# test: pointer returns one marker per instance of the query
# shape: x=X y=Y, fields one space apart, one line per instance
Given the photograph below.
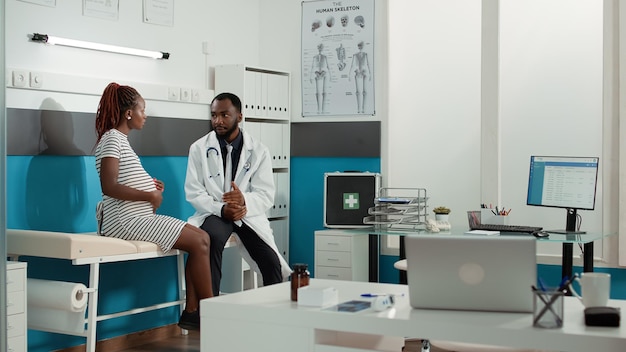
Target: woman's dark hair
x=115 y=101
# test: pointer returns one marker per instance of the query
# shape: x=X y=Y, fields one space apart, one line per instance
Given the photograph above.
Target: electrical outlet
x=36 y=80
x=173 y=93
x=195 y=95
x=20 y=78
x=185 y=94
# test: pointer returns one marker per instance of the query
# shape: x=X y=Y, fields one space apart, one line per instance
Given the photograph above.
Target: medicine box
x=317 y=296
x=348 y=196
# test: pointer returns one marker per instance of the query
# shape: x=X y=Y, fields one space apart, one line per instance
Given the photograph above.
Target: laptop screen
x=483 y=273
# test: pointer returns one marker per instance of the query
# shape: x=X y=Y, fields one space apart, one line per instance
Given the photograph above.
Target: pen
x=379 y=294
x=547 y=305
x=542 y=285
x=567 y=283
x=562 y=288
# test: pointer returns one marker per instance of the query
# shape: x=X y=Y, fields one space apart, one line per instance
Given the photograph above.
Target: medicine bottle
x=299 y=278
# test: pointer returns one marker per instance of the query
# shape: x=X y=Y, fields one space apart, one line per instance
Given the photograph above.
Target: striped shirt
x=133 y=220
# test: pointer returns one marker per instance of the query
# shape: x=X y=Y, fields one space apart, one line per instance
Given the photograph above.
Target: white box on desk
x=317 y=296
x=487 y=216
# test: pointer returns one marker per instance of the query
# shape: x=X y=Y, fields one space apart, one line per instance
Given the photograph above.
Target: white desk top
x=271 y=305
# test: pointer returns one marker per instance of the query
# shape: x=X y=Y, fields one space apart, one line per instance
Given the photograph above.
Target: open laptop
x=466 y=272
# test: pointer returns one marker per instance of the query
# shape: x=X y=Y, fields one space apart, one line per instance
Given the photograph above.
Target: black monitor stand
x=568 y=250
x=570 y=224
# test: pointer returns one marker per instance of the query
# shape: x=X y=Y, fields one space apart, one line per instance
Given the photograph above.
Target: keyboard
x=507 y=228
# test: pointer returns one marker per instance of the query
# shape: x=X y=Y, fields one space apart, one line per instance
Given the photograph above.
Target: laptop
x=466 y=272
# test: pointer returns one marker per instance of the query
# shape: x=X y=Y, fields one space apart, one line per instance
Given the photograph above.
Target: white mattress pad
x=71 y=245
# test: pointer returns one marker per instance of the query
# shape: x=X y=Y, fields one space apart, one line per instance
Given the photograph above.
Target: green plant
x=441 y=210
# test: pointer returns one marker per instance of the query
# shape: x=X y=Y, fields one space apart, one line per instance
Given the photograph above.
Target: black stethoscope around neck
x=246 y=166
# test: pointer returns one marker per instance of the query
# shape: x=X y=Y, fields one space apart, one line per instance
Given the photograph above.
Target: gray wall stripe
x=336 y=139
x=46 y=132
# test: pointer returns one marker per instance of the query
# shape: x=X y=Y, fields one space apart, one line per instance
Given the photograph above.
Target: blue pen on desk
x=371 y=295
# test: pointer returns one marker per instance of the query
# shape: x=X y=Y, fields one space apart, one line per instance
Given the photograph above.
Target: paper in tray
x=391 y=219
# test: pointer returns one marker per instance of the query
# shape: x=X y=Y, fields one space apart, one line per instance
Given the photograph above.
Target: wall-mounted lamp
x=48 y=39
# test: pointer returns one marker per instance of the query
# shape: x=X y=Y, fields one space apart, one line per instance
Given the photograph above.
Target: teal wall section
x=59 y=193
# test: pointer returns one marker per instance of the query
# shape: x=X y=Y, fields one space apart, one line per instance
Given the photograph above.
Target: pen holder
x=473 y=218
x=548 y=309
x=488 y=217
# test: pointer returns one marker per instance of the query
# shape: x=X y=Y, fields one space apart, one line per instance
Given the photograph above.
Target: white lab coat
x=204 y=186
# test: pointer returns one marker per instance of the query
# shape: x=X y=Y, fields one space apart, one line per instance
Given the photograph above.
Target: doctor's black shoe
x=189 y=320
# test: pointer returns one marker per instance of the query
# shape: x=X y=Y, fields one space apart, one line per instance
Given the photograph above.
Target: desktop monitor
x=563 y=182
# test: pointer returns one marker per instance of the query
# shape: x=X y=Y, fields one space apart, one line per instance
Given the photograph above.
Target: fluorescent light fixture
x=48 y=39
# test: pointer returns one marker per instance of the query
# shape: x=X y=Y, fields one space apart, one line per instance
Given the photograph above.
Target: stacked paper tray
x=395 y=211
x=398 y=208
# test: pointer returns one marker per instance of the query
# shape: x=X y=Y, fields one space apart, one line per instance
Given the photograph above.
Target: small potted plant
x=441 y=213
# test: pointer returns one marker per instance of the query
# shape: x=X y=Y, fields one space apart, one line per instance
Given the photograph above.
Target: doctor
x=232 y=191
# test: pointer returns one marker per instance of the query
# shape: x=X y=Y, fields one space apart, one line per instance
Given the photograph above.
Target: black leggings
x=219 y=231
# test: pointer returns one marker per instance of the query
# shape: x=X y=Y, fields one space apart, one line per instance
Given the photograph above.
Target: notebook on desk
x=480 y=273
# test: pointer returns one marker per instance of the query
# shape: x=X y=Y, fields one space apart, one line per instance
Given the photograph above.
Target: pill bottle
x=299 y=278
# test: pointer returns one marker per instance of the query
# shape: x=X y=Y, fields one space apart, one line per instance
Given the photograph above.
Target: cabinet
x=265 y=98
x=16 y=307
x=340 y=255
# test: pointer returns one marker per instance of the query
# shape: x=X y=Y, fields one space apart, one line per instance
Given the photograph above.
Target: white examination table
x=93 y=250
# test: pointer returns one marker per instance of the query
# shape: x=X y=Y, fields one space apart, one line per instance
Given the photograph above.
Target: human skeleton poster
x=338 y=58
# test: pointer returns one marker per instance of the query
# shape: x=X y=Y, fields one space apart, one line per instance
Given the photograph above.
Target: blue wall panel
x=59 y=193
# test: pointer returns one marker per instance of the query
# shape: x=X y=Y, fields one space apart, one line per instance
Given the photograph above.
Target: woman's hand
x=156 y=197
x=160 y=185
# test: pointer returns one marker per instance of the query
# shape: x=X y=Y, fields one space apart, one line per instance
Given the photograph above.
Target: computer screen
x=563 y=182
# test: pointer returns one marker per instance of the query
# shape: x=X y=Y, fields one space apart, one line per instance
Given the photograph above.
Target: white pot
x=442 y=217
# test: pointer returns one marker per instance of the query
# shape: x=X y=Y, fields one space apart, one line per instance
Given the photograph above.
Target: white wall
x=548 y=92
x=551 y=98
x=229 y=28
x=434 y=120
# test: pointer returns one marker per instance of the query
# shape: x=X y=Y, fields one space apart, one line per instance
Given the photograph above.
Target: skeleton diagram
x=341 y=56
x=361 y=68
x=320 y=73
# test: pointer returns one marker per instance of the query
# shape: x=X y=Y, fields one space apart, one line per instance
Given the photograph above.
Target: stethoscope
x=213 y=162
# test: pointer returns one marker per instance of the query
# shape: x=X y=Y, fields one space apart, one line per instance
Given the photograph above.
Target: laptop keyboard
x=507 y=228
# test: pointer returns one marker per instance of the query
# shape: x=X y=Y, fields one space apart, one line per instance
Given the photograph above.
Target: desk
x=265 y=319
x=568 y=242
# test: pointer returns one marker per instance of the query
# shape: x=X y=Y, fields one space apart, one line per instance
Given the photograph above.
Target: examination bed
x=93 y=250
